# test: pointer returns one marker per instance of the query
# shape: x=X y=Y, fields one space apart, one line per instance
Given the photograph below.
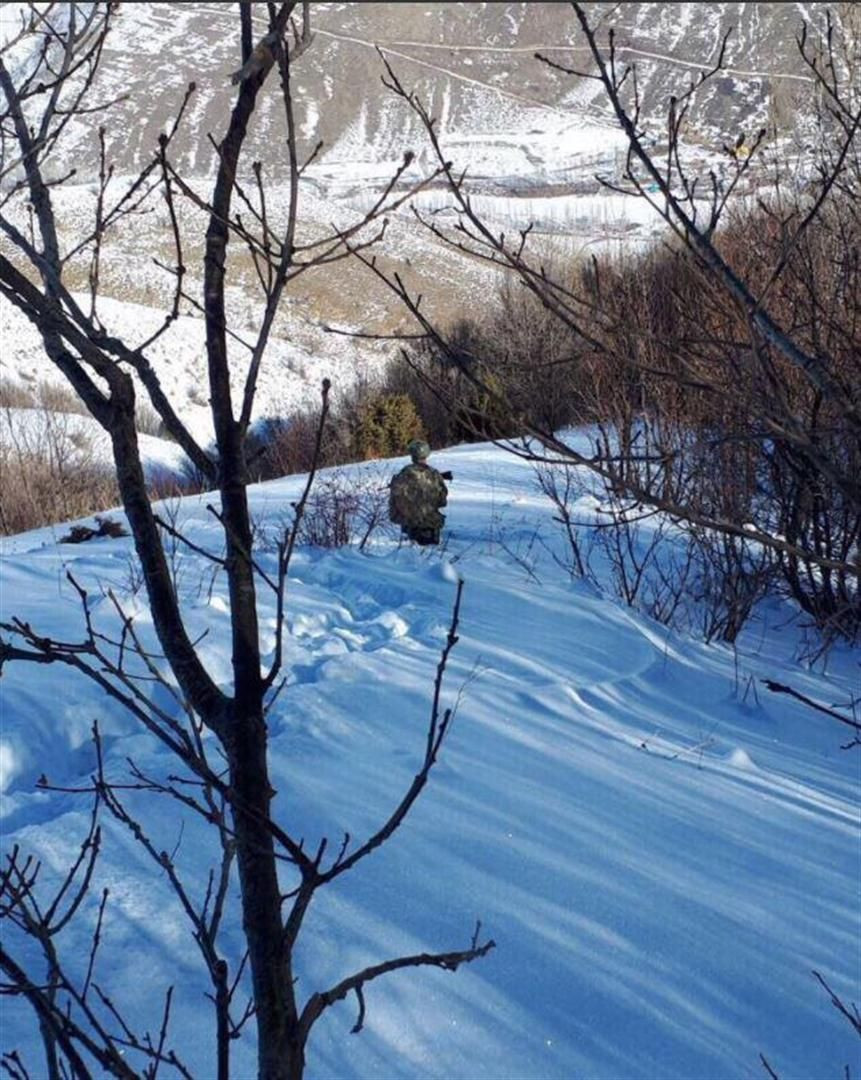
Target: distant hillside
x=531 y=138
x=508 y=116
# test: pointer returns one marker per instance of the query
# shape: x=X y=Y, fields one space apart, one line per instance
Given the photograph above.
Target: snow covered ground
x=662 y=851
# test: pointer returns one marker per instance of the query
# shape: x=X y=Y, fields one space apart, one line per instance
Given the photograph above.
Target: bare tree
x=770 y=348
x=49 y=76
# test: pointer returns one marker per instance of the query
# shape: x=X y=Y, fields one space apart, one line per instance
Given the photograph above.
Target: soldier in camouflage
x=415 y=496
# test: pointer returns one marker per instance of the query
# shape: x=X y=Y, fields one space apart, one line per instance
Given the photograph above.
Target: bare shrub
x=717 y=457
x=48 y=474
x=14 y=395
x=631 y=550
x=563 y=485
x=688 y=579
x=666 y=589
x=538 y=360
x=518 y=540
x=282 y=446
x=163 y=483
x=147 y=421
x=31 y=497
x=345 y=509
x=678 y=415
x=176 y=553
x=54 y=397
x=731 y=576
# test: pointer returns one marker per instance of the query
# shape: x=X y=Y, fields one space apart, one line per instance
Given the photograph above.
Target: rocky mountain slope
x=500 y=111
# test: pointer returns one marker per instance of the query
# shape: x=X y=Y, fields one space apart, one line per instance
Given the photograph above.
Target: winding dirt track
x=394 y=48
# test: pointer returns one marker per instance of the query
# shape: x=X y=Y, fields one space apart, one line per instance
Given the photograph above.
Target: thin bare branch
x=449 y=961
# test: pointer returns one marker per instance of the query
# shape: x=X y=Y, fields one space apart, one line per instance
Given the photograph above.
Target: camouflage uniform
x=415 y=496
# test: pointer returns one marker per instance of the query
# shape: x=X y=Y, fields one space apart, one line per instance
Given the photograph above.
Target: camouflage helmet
x=418 y=450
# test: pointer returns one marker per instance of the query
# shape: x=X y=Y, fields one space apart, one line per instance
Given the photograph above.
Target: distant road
x=582 y=48
x=392 y=46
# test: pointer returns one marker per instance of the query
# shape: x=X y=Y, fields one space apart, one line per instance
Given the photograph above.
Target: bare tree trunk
x=261 y=899
x=245 y=738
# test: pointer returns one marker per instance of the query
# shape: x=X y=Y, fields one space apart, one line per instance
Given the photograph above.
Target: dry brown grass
x=42 y=482
x=50 y=474
x=53 y=397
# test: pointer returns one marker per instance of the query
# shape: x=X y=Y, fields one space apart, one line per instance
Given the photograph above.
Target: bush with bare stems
x=49 y=472
x=731 y=353
x=346 y=509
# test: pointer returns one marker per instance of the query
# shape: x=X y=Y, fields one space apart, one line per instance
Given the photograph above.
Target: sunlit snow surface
x=662 y=851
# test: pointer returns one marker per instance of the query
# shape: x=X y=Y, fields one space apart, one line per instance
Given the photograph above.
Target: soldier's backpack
x=400 y=499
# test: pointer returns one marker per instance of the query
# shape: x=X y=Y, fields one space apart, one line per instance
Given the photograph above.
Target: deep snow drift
x=662 y=851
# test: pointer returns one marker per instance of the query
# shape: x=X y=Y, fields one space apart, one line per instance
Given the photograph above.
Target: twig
x=779 y=688
x=853 y=1017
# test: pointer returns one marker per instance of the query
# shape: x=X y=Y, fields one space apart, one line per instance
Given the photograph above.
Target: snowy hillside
x=289 y=380
x=662 y=851
x=531 y=138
